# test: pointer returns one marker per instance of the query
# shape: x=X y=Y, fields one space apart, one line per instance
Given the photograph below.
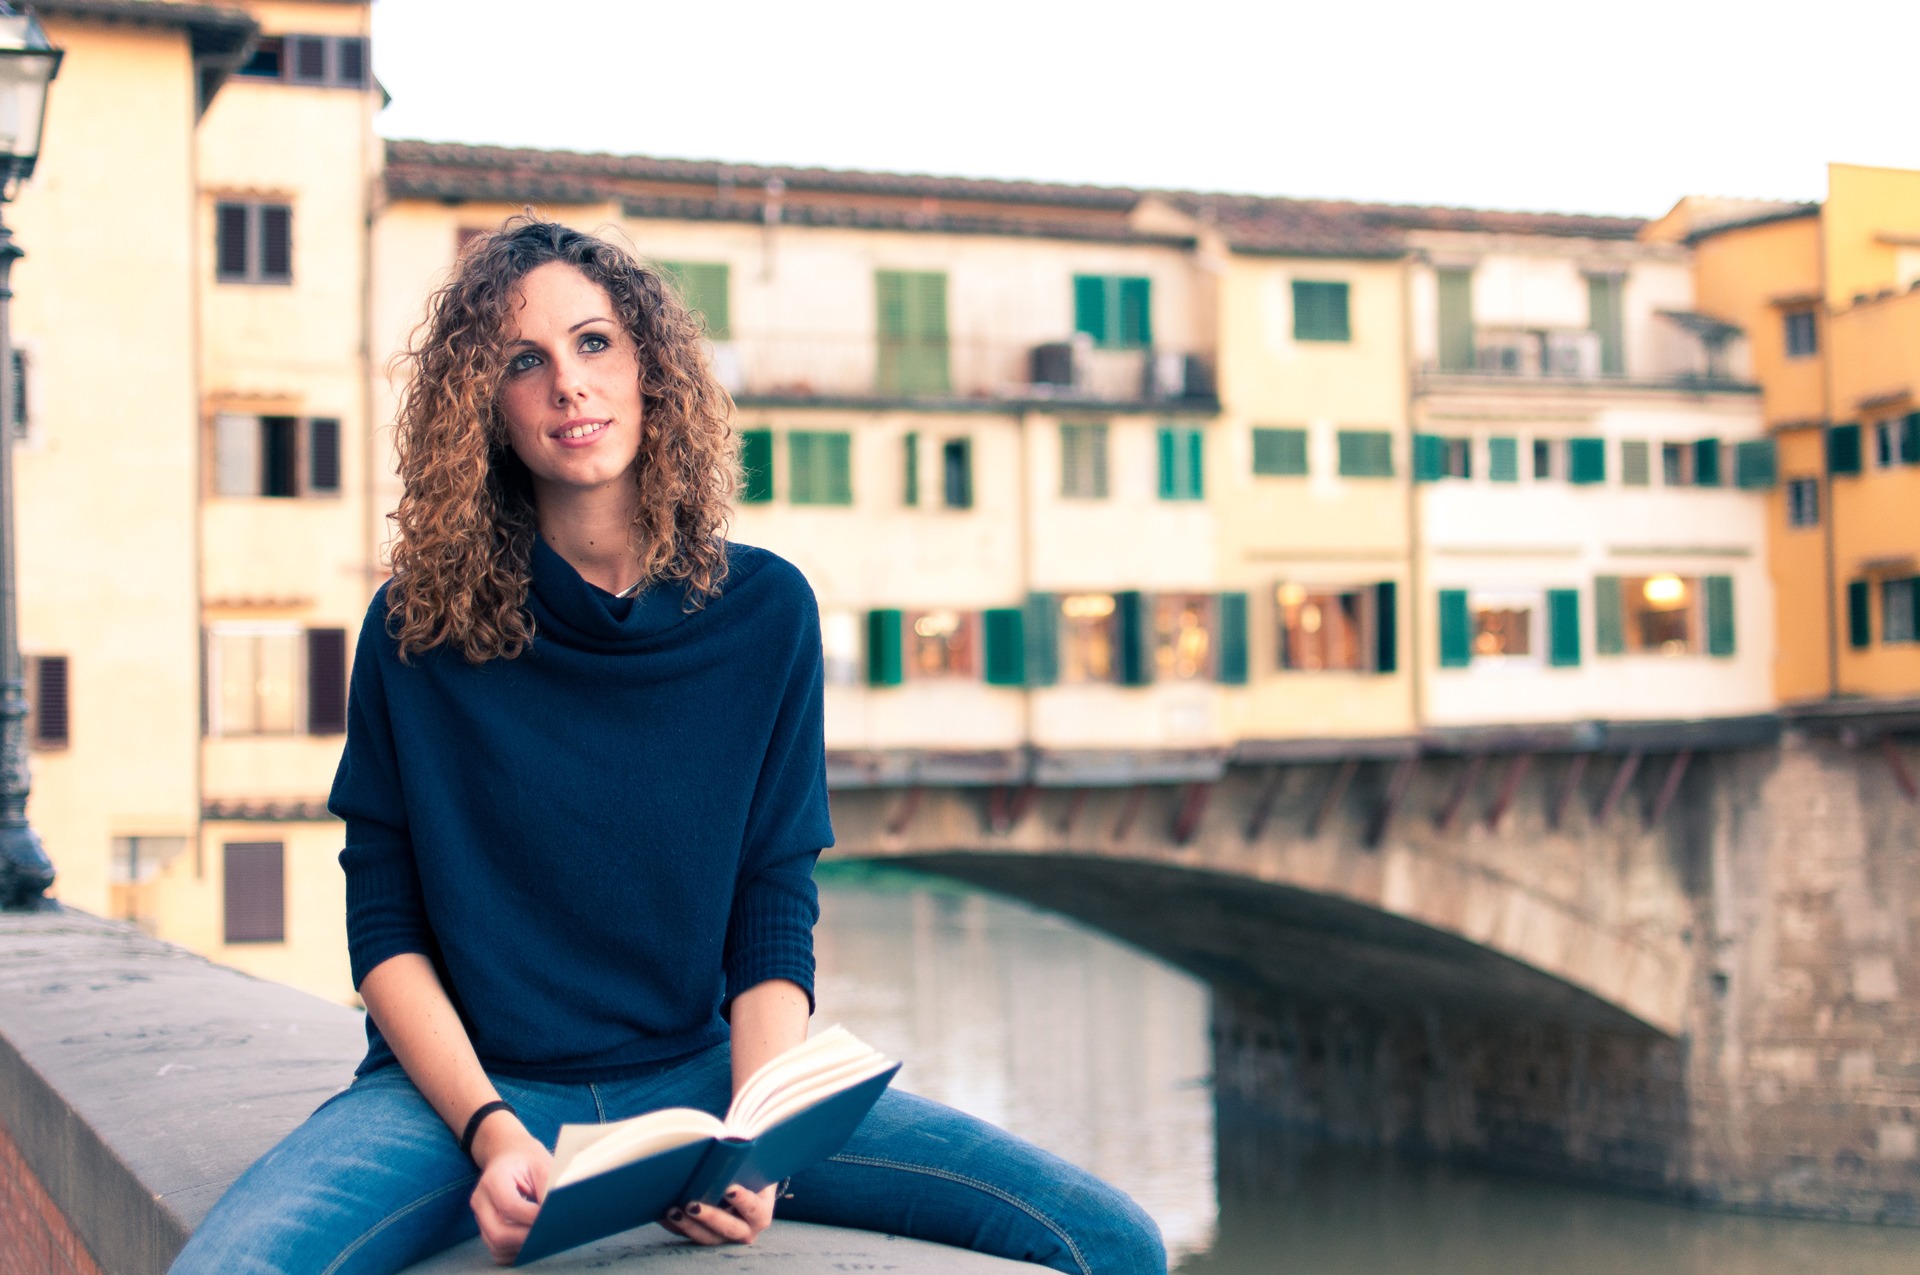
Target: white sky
x=1615 y=106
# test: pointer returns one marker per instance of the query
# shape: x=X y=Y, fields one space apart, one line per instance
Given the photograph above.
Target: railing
x=840 y=367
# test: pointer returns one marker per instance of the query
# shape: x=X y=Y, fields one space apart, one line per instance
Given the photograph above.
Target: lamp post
x=27 y=66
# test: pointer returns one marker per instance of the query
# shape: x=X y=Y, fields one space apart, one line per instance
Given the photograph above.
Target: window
x=1546 y=458
x=1859 y=614
x=1436 y=457
x=1320 y=629
x=912 y=324
x=1900 y=610
x=942 y=644
x=253 y=243
x=49 y=702
x=277 y=456
x=956 y=473
x=1183 y=626
x=276 y=679
x=1503 y=459
x=1803 y=338
x=1115 y=310
x=1320 y=311
x=819 y=467
x=1364 y=453
x=1636 y=463
x=840 y=646
x=1886 y=444
x=135 y=862
x=1843 y=449
x=1457 y=458
x=1182 y=463
x=1676 y=464
x=1089 y=638
x=1083 y=462
x=703 y=290
x=1280 y=452
x=325 y=61
x=1502 y=627
x=1706 y=462
x=910 y=469
x=1909 y=437
x=1754 y=463
x=756 y=466
x=1606 y=317
x=1659 y=614
x=1586 y=461
x=255 y=890
x=1456 y=320
x=1803 y=502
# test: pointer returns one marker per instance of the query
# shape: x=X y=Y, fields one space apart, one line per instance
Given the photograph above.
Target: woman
x=584 y=788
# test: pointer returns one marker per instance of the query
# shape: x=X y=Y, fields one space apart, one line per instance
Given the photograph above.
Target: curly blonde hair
x=464 y=527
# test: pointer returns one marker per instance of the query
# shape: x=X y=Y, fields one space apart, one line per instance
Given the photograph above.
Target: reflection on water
x=1101 y=1054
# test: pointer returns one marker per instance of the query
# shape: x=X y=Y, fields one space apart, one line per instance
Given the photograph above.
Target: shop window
x=1660 y=614
x=1502 y=626
x=1183 y=625
x=942 y=644
x=1321 y=629
x=1089 y=638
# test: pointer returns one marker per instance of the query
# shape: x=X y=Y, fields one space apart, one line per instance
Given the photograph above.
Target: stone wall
x=35 y=1238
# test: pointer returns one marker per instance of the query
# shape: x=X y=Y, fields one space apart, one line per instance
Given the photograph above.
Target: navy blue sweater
x=601 y=842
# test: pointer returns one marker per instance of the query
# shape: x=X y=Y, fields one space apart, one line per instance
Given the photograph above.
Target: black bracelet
x=480 y=1113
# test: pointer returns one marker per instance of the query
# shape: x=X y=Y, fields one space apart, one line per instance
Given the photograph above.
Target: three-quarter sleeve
x=385 y=912
x=775 y=903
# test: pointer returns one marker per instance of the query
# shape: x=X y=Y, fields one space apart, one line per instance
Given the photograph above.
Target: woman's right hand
x=514 y=1168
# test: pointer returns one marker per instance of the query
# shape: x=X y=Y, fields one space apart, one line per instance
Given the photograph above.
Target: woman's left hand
x=738 y=1219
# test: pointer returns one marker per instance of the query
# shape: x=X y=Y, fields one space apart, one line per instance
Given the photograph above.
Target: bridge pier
x=1663 y=966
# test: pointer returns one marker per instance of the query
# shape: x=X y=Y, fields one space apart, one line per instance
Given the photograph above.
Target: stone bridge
x=1675 y=957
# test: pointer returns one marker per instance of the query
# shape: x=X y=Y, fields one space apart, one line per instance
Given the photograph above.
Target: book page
x=796 y=1098
x=587 y=1149
x=827 y=1053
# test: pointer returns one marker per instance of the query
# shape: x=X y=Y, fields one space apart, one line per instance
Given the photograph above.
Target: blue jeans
x=373 y=1181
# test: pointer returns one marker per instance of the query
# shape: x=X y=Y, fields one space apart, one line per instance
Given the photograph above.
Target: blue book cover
x=630 y=1194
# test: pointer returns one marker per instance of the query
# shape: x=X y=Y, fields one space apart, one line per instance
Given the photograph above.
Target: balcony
x=1680 y=350
x=960 y=374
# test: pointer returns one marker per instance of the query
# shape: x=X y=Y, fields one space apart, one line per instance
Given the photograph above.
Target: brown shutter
x=231 y=255
x=256 y=892
x=276 y=243
x=49 y=705
x=326 y=681
x=323 y=454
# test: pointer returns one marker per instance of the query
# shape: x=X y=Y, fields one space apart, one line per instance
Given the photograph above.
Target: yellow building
x=214 y=417
x=1826 y=294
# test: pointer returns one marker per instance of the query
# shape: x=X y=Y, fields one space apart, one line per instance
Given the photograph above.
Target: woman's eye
x=522 y=362
x=594 y=342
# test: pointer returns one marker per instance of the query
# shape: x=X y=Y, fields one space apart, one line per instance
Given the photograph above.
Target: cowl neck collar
x=570 y=610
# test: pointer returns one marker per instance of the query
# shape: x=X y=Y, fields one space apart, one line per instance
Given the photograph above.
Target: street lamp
x=27 y=66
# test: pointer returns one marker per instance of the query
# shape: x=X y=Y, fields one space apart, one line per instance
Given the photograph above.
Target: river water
x=1100 y=1054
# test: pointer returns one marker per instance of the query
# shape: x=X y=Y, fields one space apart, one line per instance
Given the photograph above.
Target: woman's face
x=571 y=398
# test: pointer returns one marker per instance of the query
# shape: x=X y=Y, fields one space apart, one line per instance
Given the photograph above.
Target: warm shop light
x=1310 y=619
x=1292 y=595
x=1665 y=590
x=1087 y=606
x=937 y=624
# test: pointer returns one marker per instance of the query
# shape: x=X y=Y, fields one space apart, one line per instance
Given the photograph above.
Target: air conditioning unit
x=1054 y=364
x=1171 y=374
x=1575 y=355
x=1508 y=353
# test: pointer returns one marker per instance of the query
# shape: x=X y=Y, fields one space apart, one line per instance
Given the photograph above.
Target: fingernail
x=673 y=1215
x=694 y=1209
x=733 y=1193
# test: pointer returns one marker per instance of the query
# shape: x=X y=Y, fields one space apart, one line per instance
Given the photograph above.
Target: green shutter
x=1196 y=465
x=1182 y=463
x=1719 y=615
x=1320 y=311
x=1753 y=463
x=1859 y=615
x=1231 y=608
x=1006 y=642
x=819 y=467
x=703 y=290
x=1604 y=316
x=1133 y=629
x=911 y=478
x=1365 y=453
x=1280 y=452
x=1843 y=449
x=1456 y=320
x=1456 y=629
x=1136 y=313
x=1636 y=463
x=883 y=647
x=1706 y=462
x=756 y=466
x=1503 y=460
x=1386 y=627
x=956 y=473
x=1090 y=306
x=912 y=326
x=1609 y=627
x=1429 y=458
x=1910 y=440
x=1563 y=628
x=1043 y=639
x=1167 y=461
x=1586 y=460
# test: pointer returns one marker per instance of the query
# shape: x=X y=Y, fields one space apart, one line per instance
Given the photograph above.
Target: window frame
x=1115 y=311
x=837 y=492
x=254 y=249
x=1328 y=320
x=1802 y=497
x=213 y=691
x=1363 y=453
x=283 y=48
x=1092 y=454
x=1279 y=451
x=1800 y=340
x=302 y=457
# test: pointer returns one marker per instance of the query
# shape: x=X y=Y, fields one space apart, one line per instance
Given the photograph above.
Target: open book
x=798 y=1108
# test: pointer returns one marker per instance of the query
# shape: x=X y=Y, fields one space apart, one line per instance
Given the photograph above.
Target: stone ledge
x=138 y=1080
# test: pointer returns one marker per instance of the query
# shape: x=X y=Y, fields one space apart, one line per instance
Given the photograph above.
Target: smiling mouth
x=582 y=429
